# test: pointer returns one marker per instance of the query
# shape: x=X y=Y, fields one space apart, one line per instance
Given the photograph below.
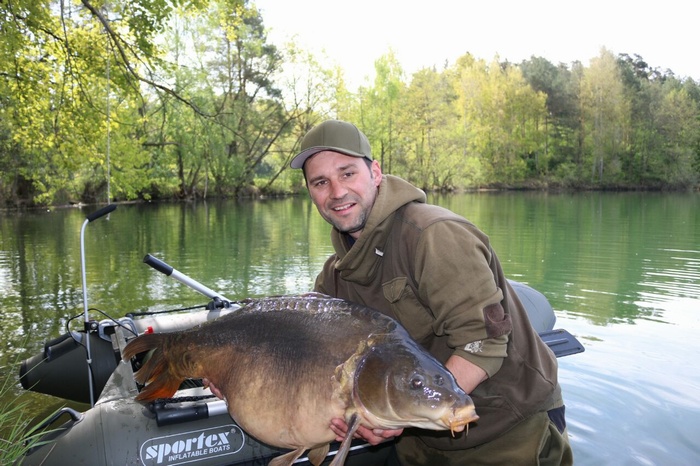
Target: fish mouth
x=459 y=418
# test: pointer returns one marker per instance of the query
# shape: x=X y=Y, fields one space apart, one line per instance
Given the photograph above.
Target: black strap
x=557 y=417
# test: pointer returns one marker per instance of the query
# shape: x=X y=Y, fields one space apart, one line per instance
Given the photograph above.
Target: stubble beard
x=356 y=226
x=359 y=225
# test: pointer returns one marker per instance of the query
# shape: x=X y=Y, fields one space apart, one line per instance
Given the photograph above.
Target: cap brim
x=302 y=157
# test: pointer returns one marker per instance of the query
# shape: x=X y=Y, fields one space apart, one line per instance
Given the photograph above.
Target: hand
x=372 y=436
x=212 y=388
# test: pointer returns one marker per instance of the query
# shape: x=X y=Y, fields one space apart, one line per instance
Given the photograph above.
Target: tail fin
x=155 y=374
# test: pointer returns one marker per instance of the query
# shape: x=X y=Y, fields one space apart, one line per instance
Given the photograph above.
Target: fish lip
x=458 y=418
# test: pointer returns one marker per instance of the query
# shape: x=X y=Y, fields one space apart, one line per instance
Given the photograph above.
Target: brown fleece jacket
x=436 y=273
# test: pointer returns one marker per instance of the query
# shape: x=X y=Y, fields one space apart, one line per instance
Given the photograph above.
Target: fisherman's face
x=343 y=188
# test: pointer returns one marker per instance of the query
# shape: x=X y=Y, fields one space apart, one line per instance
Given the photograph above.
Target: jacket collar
x=359 y=261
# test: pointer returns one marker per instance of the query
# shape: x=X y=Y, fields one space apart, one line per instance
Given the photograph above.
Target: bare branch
x=120 y=46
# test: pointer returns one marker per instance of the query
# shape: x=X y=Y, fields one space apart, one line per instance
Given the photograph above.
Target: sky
x=355 y=33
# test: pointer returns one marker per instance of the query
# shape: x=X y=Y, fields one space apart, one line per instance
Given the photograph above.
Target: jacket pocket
x=408 y=310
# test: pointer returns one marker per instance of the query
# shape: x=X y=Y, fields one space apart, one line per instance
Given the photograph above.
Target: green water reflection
x=616 y=268
x=604 y=257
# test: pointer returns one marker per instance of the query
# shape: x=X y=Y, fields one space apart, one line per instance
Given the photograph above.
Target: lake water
x=622 y=272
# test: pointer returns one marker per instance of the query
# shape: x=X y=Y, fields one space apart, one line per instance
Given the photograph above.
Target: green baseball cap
x=334 y=135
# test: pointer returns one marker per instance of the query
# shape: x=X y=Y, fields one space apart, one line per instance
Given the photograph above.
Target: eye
x=417 y=382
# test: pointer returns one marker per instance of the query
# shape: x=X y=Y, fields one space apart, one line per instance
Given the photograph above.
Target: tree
x=250 y=112
x=312 y=93
x=562 y=116
x=680 y=128
x=503 y=118
x=379 y=108
x=431 y=156
x=607 y=117
x=57 y=62
x=56 y=106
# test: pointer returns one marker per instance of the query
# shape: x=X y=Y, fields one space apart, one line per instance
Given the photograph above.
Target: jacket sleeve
x=454 y=270
x=325 y=280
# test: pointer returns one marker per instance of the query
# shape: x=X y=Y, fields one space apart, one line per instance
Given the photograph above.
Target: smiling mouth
x=342 y=207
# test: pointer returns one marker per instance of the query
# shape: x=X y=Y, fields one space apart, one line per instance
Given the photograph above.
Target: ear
x=376 y=173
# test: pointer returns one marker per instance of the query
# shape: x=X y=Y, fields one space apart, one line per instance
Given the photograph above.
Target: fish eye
x=439 y=380
x=417 y=382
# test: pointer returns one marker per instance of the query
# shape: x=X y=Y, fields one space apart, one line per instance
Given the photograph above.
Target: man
x=437 y=274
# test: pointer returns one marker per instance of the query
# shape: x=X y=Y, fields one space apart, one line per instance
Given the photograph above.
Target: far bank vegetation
x=188 y=99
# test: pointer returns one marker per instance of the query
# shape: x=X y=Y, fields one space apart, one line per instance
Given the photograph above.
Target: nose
x=338 y=190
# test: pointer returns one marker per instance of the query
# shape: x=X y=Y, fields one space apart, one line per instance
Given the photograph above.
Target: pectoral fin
x=344 y=449
x=317 y=455
x=287 y=459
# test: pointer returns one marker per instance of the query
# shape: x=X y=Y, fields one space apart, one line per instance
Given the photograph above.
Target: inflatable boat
x=192 y=428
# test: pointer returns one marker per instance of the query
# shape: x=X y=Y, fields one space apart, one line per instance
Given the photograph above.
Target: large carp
x=288 y=365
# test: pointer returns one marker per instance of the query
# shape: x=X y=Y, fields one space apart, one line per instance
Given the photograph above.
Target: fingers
x=215 y=391
x=371 y=436
x=388 y=433
x=339 y=428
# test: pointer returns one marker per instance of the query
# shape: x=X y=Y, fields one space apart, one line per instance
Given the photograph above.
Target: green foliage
x=17 y=436
x=606 y=118
x=187 y=98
